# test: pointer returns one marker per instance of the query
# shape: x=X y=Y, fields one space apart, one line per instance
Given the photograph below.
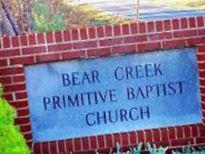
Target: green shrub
x=11 y=140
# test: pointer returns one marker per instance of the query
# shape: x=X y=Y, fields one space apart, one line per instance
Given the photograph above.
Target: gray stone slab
x=80 y=98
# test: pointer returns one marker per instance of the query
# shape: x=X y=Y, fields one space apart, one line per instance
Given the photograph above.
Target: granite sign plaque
x=124 y=93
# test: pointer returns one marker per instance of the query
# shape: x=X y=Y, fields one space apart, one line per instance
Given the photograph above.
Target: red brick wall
x=17 y=52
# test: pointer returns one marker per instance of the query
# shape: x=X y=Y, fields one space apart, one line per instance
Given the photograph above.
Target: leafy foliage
x=11 y=141
x=156 y=150
x=153 y=149
x=137 y=149
x=190 y=150
x=45 y=20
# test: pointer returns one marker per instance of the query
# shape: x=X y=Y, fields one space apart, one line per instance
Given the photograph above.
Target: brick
x=202 y=82
x=5 y=80
x=58 y=36
x=23 y=112
x=74 y=34
x=11 y=71
x=45 y=147
x=133 y=138
x=73 y=54
x=108 y=140
x=117 y=30
x=124 y=49
x=8 y=97
x=125 y=29
x=124 y=139
x=108 y=31
x=140 y=136
x=48 y=57
x=156 y=135
x=22 y=60
x=93 y=142
x=40 y=38
x=202 y=74
x=160 y=36
x=167 y=25
x=87 y=44
x=172 y=133
x=9 y=53
x=14 y=87
x=201 y=32
x=202 y=90
x=159 y=26
x=175 y=24
x=37 y=148
x=185 y=33
x=59 y=47
x=163 y=144
x=148 y=136
x=195 y=41
x=135 y=39
x=3 y=62
x=99 y=52
x=25 y=128
x=111 y=42
x=200 y=22
x=19 y=78
x=15 y=41
x=66 y=35
x=100 y=31
x=101 y=141
x=149 y=46
x=27 y=136
x=179 y=132
x=21 y=95
x=92 y=32
x=49 y=37
x=200 y=140
x=32 y=39
x=20 y=104
x=192 y=22
x=34 y=50
x=69 y=145
x=184 y=23
x=142 y=27
x=201 y=49
x=77 y=144
x=150 y=26
x=201 y=130
x=61 y=146
x=181 y=142
x=53 y=147
x=164 y=134
x=6 y=42
x=85 y=143
x=201 y=65
x=187 y=131
x=117 y=138
x=20 y=120
x=83 y=34
x=29 y=143
x=174 y=43
x=194 y=131
x=134 y=28
x=24 y=40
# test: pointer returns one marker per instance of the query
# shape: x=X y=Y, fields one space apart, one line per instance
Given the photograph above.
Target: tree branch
x=9 y=18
